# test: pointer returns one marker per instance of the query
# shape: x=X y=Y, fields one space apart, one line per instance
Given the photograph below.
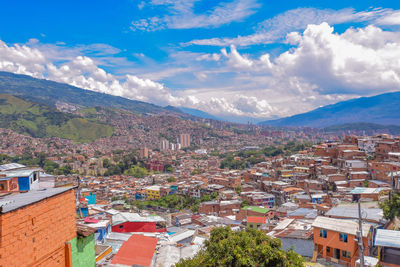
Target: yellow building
x=153 y=192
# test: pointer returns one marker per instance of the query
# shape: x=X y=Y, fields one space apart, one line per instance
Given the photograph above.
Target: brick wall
x=35 y=235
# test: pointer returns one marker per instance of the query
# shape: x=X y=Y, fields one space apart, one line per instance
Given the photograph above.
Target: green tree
x=168 y=168
x=171 y=179
x=249 y=247
x=136 y=171
x=391 y=207
x=106 y=163
x=238 y=190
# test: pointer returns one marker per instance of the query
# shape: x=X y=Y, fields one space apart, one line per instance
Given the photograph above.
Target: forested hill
x=39 y=120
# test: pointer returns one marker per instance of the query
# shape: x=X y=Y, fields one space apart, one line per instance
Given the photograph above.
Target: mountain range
x=383 y=109
x=49 y=93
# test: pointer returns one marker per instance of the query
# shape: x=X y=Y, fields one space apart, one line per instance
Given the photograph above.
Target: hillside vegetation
x=39 y=120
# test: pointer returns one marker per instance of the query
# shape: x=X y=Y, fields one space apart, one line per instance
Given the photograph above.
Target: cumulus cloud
x=322 y=67
x=361 y=61
x=80 y=71
x=276 y=28
x=182 y=15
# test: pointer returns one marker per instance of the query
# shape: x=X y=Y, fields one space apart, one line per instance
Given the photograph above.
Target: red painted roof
x=91 y=220
x=256 y=219
x=137 y=250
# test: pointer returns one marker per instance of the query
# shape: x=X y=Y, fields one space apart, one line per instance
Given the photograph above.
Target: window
x=343 y=237
x=121 y=226
x=322 y=233
x=345 y=254
x=328 y=249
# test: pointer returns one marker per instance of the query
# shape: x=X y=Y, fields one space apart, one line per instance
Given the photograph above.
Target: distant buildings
x=184 y=140
x=153 y=192
x=144 y=153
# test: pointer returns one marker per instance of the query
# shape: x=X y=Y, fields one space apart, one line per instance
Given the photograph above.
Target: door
x=336 y=253
x=23 y=183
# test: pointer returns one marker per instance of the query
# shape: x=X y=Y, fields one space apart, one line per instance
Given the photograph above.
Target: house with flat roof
x=388 y=243
x=335 y=240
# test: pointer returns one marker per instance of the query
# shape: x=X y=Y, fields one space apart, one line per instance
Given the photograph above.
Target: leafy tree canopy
x=391 y=208
x=242 y=248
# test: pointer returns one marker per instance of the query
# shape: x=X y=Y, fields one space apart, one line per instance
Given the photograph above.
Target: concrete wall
x=35 y=235
x=83 y=252
x=304 y=247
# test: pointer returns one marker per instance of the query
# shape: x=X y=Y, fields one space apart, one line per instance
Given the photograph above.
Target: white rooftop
x=342 y=226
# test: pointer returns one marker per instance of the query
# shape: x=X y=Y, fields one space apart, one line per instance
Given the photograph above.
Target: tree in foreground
x=242 y=248
x=391 y=207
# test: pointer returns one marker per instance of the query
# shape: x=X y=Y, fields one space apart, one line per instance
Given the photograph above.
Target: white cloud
x=182 y=15
x=276 y=28
x=322 y=68
x=346 y=63
x=80 y=71
x=390 y=19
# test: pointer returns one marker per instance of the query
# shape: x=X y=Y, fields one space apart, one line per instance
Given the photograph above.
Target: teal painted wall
x=83 y=253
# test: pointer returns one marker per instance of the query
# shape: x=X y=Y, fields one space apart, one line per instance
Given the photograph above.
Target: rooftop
x=340 y=225
x=365 y=190
x=16 y=201
x=352 y=212
x=137 y=251
x=255 y=219
x=256 y=209
x=387 y=238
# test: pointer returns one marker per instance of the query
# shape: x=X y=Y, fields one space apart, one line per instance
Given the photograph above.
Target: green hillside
x=39 y=120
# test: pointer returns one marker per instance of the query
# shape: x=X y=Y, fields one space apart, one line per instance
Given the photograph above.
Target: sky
x=235 y=59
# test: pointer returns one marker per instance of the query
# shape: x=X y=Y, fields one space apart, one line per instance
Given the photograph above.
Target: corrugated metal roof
x=387 y=238
x=340 y=225
x=18 y=173
x=134 y=217
x=182 y=235
x=10 y=166
x=352 y=212
x=365 y=190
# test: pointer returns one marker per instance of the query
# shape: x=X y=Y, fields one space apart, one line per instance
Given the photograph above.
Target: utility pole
x=360 y=234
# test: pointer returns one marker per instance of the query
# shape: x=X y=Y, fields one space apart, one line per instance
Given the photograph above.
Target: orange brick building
x=35 y=228
x=334 y=240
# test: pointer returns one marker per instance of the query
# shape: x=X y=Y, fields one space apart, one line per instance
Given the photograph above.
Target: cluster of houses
x=323 y=202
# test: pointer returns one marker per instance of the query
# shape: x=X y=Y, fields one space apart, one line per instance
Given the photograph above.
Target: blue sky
x=234 y=59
